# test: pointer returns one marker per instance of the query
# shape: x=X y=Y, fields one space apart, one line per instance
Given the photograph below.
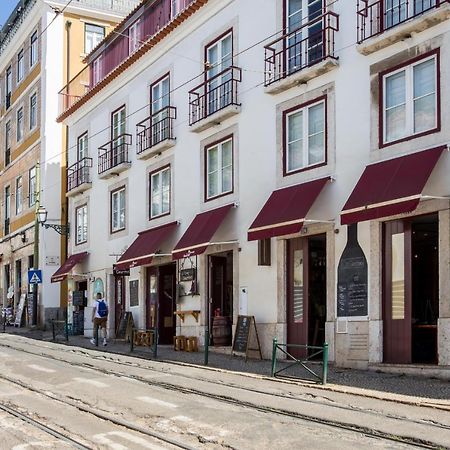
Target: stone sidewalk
x=367 y=383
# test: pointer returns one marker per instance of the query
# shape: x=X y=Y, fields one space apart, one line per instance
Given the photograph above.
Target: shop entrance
x=79 y=301
x=411 y=290
x=306 y=292
x=119 y=294
x=221 y=298
x=161 y=301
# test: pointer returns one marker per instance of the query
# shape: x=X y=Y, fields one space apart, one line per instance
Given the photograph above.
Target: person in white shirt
x=100 y=318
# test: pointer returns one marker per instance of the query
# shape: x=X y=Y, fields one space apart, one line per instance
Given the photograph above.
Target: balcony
x=302 y=54
x=113 y=156
x=215 y=99
x=79 y=177
x=382 y=23
x=155 y=133
x=155 y=19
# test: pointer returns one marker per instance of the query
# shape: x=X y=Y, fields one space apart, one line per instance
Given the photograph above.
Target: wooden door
x=151 y=300
x=397 y=300
x=218 y=285
x=297 y=295
x=166 y=303
x=119 y=309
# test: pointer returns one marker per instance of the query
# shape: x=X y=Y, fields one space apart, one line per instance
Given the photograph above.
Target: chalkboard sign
x=134 y=293
x=20 y=310
x=352 y=296
x=30 y=307
x=126 y=324
x=187 y=274
x=78 y=298
x=242 y=336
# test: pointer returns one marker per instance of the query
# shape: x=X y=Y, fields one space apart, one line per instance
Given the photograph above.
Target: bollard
x=53 y=330
x=325 y=363
x=274 y=355
x=132 y=340
x=155 y=344
x=67 y=330
x=4 y=321
x=96 y=327
x=206 y=347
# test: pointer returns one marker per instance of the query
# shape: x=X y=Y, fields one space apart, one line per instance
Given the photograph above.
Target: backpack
x=102 y=309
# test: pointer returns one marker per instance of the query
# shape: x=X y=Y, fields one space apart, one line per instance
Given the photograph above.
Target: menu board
x=352 y=283
x=134 y=293
x=125 y=326
x=78 y=298
x=242 y=334
x=20 y=310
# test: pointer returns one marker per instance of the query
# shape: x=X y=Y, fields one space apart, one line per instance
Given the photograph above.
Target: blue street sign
x=34 y=276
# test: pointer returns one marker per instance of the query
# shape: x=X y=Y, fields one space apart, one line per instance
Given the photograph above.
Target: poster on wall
x=352 y=299
x=134 y=293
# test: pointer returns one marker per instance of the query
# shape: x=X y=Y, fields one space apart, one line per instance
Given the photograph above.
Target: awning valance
x=200 y=232
x=145 y=247
x=285 y=210
x=390 y=187
x=67 y=267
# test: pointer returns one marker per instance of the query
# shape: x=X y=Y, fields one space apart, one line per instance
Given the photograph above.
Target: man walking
x=100 y=317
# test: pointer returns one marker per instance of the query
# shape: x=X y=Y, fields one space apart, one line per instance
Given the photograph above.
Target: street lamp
x=42 y=214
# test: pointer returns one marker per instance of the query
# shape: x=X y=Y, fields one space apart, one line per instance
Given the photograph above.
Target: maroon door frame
x=397 y=337
x=297 y=332
x=119 y=296
x=151 y=298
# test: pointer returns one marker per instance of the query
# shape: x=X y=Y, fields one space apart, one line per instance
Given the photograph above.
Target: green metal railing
x=154 y=347
x=301 y=362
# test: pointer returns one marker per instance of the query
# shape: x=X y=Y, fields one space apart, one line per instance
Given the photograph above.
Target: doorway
x=411 y=290
x=221 y=298
x=79 y=300
x=161 y=301
x=306 y=293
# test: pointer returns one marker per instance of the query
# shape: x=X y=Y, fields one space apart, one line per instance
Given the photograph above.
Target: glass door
x=118 y=129
x=160 y=101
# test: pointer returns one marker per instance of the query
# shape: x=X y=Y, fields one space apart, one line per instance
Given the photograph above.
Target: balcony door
x=219 y=86
x=305 y=46
x=118 y=129
x=397 y=11
x=160 y=102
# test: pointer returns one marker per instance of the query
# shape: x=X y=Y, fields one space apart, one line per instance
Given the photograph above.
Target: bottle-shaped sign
x=352 y=278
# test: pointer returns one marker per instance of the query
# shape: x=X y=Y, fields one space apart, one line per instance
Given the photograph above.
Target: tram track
x=421 y=443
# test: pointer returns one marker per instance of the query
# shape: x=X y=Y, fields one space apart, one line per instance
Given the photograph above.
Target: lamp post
x=42 y=214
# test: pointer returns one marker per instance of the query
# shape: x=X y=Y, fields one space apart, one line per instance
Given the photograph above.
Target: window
x=219 y=168
x=8 y=87
x=304 y=137
x=134 y=37
x=33 y=111
x=81 y=224
x=118 y=210
x=19 y=195
x=97 y=70
x=264 y=252
x=32 y=186
x=7 y=143
x=82 y=147
x=93 y=35
x=410 y=100
x=19 y=124
x=20 y=68
x=160 y=193
x=33 y=49
x=19 y=276
x=7 y=208
x=160 y=101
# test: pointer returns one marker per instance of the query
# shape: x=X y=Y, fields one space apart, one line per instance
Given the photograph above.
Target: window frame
x=33 y=126
x=408 y=65
x=97 y=69
x=160 y=170
x=111 y=207
x=82 y=138
x=322 y=99
x=217 y=143
x=8 y=142
x=32 y=195
x=136 y=39
x=33 y=49
x=8 y=81
x=86 y=34
x=21 y=128
x=85 y=232
x=18 y=201
x=20 y=65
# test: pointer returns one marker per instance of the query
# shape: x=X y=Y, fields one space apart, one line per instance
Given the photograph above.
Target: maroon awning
x=144 y=247
x=66 y=268
x=390 y=187
x=285 y=210
x=200 y=232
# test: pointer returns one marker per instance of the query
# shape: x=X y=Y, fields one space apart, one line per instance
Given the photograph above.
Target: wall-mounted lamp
x=42 y=214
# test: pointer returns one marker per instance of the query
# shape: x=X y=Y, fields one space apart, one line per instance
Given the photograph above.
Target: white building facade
x=275 y=158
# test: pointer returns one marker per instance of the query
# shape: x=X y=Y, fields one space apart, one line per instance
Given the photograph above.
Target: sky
x=6 y=7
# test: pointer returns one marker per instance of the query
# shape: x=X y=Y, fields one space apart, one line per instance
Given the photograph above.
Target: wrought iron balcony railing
x=114 y=153
x=79 y=174
x=303 y=47
x=155 y=129
x=214 y=94
x=378 y=16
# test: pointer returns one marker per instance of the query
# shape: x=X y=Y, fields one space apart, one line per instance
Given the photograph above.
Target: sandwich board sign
x=34 y=276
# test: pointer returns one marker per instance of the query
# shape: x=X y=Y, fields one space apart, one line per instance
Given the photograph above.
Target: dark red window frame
x=159 y=169
x=111 y=231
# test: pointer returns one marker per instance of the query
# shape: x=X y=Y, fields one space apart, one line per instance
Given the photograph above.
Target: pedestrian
x=99 y=318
